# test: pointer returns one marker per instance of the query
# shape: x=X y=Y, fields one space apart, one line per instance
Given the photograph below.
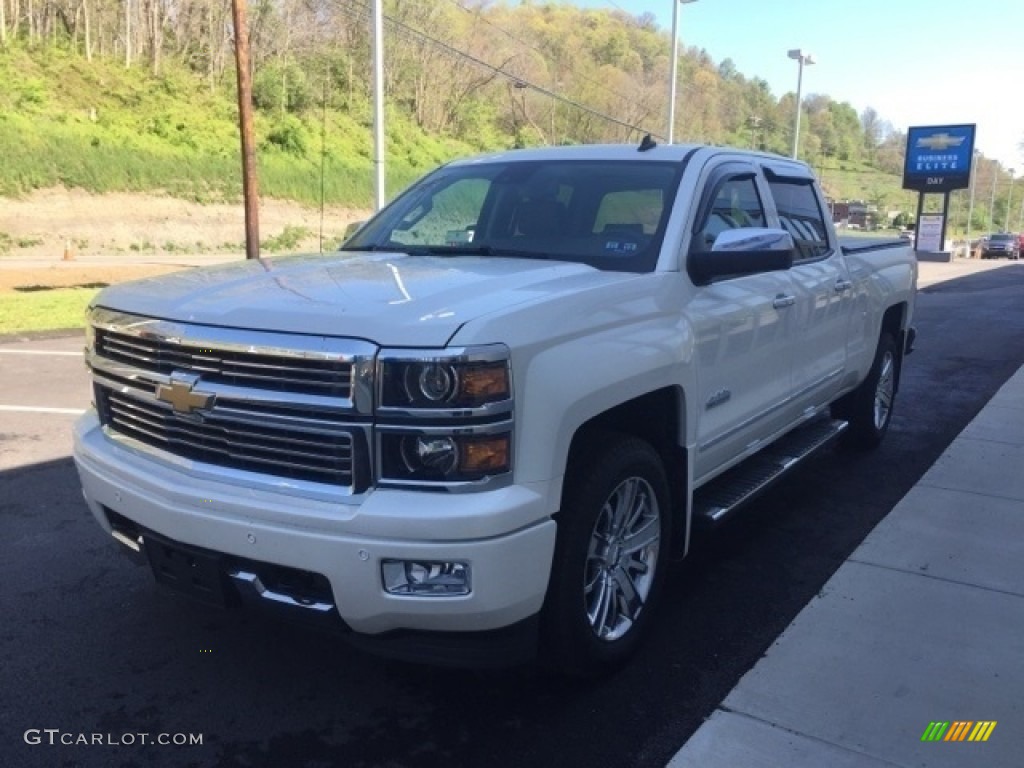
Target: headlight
x=472 y=378
x=444 y=418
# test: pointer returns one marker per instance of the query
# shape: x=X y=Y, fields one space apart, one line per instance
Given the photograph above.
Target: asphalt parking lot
x=89 y=645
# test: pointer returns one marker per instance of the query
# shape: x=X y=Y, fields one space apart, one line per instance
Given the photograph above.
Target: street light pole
x=1009 y=199
x=802 y=58
x=674 y=66
x=970 y=205
x=377 y=24
x=992 y=200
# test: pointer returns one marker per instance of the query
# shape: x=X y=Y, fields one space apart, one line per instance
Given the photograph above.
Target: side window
x=448 y=217
x=801 y=216
x=736 y=204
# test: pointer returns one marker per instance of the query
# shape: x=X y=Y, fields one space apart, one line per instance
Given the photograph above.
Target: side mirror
x=352 y=228
x=743 y=251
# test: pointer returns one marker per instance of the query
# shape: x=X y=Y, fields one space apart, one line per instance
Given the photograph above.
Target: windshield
x=1001 y=238
x=609 y=214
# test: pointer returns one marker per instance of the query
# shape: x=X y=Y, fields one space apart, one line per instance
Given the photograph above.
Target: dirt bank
x=45 y=225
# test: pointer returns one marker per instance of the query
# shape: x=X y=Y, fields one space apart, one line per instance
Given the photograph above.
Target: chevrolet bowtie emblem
x=181 y=395
x=940 y=141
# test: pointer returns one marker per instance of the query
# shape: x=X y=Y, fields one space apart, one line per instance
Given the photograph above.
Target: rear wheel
x=610 y=557
x=868 y=408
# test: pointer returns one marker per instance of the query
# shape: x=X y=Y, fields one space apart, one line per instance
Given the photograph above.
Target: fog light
x=423 y=578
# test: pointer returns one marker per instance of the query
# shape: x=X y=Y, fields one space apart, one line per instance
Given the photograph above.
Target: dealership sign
x=938 y=158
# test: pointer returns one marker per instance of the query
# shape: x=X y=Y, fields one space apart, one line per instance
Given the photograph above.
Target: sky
x=916 y=62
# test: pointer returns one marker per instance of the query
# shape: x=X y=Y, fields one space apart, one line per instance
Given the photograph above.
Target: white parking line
x=56 y=352
x=33 y=409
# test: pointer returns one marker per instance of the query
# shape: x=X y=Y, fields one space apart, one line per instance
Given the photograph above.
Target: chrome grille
x=325 y=455
x=280 y=405
x=315 y=375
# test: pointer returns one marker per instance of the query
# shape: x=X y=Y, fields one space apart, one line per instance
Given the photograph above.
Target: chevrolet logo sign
x=180 y=393
x=940 y=141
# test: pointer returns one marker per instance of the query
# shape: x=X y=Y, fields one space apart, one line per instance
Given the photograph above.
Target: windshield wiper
x=480 y=250
x=453 y=250
x=456 y=250
x=370 y=248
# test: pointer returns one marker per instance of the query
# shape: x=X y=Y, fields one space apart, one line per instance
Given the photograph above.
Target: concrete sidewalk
x=923 y=623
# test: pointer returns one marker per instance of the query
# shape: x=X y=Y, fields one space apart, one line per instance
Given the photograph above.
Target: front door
x=744 y=335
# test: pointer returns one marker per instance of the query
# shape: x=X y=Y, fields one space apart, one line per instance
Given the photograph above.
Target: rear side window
x=800 y=214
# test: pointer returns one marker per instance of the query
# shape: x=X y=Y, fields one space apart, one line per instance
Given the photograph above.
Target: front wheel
x=868 y=409
x=610 y=557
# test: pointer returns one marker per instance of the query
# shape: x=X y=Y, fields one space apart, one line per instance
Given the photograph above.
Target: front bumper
x=505 y=535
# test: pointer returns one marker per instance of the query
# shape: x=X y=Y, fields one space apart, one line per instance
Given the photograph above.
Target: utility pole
x=250 y=181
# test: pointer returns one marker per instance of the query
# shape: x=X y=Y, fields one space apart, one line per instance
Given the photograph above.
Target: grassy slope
x=98 y=126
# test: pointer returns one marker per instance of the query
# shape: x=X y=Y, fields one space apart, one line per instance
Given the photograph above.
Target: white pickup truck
x=479 y=432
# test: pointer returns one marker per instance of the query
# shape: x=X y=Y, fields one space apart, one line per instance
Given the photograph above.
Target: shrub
x=288 y=135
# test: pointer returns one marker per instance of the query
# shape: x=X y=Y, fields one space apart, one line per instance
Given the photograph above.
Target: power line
x=535 y=48
x=363 y=11
x=612 y=2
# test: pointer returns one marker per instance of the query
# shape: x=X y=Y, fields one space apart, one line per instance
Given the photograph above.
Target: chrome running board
x=713 y=502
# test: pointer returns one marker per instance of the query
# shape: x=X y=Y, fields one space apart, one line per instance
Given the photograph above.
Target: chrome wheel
x=622 y=558
x=884 y=390
x=868 y=409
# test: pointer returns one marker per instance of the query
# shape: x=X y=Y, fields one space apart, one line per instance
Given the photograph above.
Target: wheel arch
x=894 y=322
x=659 y=418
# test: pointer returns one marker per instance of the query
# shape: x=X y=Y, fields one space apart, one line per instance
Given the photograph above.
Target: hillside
x=76 y=113
x=103 y=128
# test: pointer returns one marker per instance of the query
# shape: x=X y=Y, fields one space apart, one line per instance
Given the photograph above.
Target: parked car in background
x=1000 y=244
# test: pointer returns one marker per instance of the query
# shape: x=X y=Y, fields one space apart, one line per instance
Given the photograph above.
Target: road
x=89 y=646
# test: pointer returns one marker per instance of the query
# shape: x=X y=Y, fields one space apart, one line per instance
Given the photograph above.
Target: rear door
x=823 y=289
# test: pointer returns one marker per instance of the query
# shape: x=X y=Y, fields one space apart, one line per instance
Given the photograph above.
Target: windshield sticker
x=459 y=237
x=620 y=246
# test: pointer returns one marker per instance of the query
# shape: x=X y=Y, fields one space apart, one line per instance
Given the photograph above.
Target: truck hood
x=388 y=298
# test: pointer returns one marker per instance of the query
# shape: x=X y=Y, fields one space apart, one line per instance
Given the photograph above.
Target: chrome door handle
x=782 y=301
x=842 y=286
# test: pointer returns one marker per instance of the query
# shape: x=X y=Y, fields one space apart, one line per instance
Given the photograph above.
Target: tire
x=611 y=557
x=868 y=409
